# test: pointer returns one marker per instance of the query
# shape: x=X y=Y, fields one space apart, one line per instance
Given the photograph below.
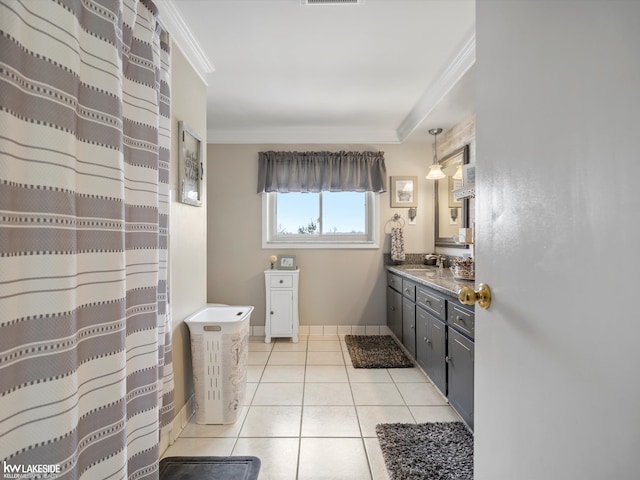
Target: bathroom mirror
x=451 y=215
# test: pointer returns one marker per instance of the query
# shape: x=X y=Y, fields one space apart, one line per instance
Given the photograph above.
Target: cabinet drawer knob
x=281 y=281
x=459 y=318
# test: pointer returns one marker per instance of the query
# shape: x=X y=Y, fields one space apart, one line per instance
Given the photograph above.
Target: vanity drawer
x=281 y=281
x=462 y=319
x=409 y=289
x=394 y=281
x=431 y=302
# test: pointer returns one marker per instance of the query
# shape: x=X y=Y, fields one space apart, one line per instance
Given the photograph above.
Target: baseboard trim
x=258 y=330
x=169 y=435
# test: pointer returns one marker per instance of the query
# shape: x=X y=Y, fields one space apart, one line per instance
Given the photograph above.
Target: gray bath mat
x=433 y=451
x=376 y=351
x=209 y=468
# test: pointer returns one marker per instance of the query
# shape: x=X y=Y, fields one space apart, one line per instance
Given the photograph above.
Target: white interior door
x=557 y=380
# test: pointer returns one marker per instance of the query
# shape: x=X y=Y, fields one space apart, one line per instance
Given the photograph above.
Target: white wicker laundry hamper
x=219 y=352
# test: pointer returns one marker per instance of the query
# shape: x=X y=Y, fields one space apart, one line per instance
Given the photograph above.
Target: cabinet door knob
x=393 y=308
x=448 y=359
x=412 y=327
x=271 y=312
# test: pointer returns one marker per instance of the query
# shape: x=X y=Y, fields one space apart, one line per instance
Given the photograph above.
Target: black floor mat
x=209 y=468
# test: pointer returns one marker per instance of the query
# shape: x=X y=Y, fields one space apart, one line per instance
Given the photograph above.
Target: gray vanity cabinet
x=394 y=311
x=460 y=369
x=409 y=326
x=460 y=354
x=409 y=316
x=438 y=332
x=431 y=347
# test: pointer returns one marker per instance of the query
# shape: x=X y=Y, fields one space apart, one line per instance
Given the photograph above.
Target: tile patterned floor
x=310 y=415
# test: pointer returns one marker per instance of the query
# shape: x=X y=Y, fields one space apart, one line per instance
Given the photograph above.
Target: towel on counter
x=397 y=244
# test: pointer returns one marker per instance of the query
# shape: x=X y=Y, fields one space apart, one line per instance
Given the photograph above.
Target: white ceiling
x=382 y=72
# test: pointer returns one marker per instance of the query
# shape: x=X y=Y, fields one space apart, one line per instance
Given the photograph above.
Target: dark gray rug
x=376 y=351
x=209 y=468
x=427 y=451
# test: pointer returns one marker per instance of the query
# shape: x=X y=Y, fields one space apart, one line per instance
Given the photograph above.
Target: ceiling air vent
x=331 y=2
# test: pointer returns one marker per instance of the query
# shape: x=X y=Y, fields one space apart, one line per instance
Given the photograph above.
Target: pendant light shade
x=435 y=171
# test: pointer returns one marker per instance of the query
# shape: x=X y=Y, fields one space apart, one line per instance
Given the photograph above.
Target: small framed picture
x=190 y=166
x=404 y=192
x=286 y=262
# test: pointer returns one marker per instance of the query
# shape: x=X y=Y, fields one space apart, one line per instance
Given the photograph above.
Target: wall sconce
x=435 y=171
x=413 y=212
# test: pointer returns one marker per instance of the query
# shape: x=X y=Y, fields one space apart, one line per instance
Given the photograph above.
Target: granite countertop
x=428 y=276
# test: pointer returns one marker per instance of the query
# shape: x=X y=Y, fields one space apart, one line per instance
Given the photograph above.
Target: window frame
x=271 y=239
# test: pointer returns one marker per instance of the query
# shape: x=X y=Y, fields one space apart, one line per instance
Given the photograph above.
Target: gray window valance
x=321 y=171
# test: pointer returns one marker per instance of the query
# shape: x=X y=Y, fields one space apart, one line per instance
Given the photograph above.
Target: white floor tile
x=325 y=358
x=260 y=346
x=200 y=447
x=324 y=346
x=327 y=394
x=324 y=338
x=368 y=375
x=251 y=391
x=440 y=413
x=376 y=394
x=289 y=346
x=258 y=358
x=407 y=375
x=308 y=414
x=278 y=456
x=370 y=416
x=266 y=421
x=333 y=458
x=330 y=421
x=254 y=373
x=283 y=373
x=278 y=394
x=376 y=460
x=421 y=394
x=326 y=373
x=287 y=358
x=231 y=430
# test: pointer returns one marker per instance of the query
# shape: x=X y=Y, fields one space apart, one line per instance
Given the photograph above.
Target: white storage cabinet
x=281 y=316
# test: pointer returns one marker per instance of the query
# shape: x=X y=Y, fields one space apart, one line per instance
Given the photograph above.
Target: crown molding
x=454 y=71
x=171 y=19
x=310 y=135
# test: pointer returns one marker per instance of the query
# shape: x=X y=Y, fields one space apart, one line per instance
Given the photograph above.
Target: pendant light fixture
x=435 y=171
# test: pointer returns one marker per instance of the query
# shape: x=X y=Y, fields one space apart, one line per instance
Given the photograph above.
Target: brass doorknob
x=468 y=296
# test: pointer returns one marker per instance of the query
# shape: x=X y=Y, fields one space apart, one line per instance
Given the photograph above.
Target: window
x=320 y=220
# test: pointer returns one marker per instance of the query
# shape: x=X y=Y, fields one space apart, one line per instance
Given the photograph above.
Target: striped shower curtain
x=85 y=355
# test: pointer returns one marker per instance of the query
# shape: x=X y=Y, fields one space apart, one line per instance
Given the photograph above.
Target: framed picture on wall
x=404 y=192
x=190 y=166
